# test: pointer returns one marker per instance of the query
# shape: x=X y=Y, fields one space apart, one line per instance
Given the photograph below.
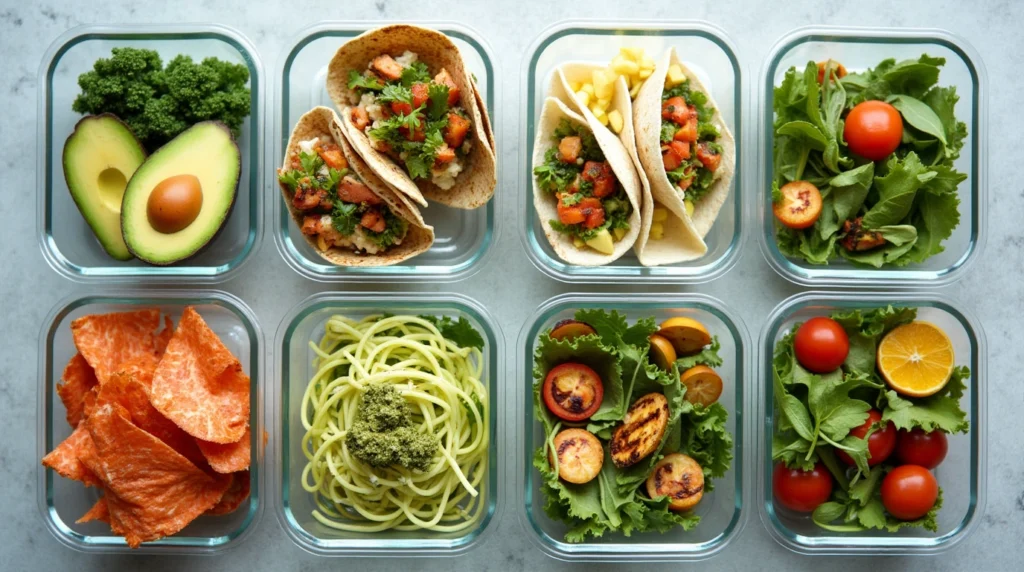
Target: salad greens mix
x=815 y=415
x=909 y=198
x=616 y=499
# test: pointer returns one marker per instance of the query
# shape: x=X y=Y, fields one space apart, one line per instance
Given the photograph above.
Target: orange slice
x=687 y=336
x=916 y=359
x=703 y=385
x=663 y=354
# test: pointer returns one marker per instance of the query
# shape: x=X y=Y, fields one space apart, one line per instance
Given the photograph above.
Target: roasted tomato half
x=572 y=391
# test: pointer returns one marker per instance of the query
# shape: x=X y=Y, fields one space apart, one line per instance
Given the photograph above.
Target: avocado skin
x=158 y=155
x=77 y=195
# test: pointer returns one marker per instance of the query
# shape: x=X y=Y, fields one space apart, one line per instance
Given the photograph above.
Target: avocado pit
x=174 y=203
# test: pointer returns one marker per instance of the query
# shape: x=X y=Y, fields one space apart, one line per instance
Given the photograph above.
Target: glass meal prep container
x=858 y=49
x=67 y=241
x=305 y=324
x=722 y=511
x=62 y=501
x=462 y=238
x=705 y=49
x=961 y=475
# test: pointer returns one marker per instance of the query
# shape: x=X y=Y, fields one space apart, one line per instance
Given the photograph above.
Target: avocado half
x=205 y=150
x=99 y=158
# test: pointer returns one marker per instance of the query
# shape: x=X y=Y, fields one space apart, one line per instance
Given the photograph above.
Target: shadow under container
x=961 y=475
x=304 y=325
x=68 y=243
x=722 y=512
x=710 y=54
x=462 y=238
x=859 y=49
x=63 y=501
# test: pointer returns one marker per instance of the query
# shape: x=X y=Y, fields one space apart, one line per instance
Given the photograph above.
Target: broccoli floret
x=158 y=103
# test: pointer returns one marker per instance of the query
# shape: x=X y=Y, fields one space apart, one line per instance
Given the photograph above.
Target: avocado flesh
x=99 y=158
x=205 y=150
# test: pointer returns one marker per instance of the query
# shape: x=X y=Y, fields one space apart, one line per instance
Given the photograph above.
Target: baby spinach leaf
x=850 y=188
x=916 y=113
x=808 y=133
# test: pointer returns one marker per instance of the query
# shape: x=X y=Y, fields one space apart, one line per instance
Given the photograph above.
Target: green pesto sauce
x=383 y=434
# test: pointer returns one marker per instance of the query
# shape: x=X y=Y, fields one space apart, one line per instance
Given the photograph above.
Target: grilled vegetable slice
x=572 y=391
x=641 y=431
x=569 y=329
x=579 y=456
x=678 y=477
x=703 y=385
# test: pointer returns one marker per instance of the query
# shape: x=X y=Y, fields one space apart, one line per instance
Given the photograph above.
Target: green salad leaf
x=460 y=332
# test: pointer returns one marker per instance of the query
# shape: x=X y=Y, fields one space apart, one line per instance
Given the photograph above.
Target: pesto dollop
x=383 y=434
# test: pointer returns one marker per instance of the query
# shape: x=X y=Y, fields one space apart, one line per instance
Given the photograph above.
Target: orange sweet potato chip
x=108 y=340
x=164 y=337
x=99 y=511
x=200 y=385
x=151 y=490
x=229 y=457
x=78 y=379
x=65 y=457
x=234 y=496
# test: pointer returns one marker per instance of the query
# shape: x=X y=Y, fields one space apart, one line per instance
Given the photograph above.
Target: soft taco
x=676 y=239
x=585 y=189
x=410 y=110
x=345 y=212
x=683 y=143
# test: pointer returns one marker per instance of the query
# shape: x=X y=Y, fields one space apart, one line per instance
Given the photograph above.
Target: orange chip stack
x=155 y=473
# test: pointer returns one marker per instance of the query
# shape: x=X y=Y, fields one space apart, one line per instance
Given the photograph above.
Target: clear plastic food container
x=961 y=475
x=722 y=511
x=67 y=242
x=859 y=49
x=709 y=52
x=62 y=501
x=304 y=324
x=462 y=238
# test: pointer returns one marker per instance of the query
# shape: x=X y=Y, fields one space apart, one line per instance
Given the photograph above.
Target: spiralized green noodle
x=441 y=383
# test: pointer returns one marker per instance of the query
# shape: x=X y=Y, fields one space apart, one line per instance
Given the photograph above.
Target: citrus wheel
x=916 y=359
x=703 y=385
x=687 y=336
x=662 y=354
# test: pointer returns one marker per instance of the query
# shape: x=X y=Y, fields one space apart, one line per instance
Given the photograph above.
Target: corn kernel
x=587 y=88
x=603 y=118
x=644 y=74
x=615 y=120
x=657 y=231
x=604 y=103
x=597 y=110
x=689 y=207
x=583 y=97
x=575 y=86
x=624 y=67
x=619 y=233
x=660 y=214
x=577 y=242
x=675 y=76
x=632 y=53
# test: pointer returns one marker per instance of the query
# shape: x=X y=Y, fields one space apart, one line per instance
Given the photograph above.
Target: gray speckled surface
x=508 y=283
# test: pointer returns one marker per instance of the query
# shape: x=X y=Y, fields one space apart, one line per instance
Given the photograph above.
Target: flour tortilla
x=679 y=242
x=475 y=185
x=323 y=122
x=547 y=206
x=647 y=121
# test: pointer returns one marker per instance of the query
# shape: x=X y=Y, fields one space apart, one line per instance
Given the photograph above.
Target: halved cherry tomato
x=917 y=447
x=570 y=214
x=445 y=78
x=675 y=110
x=600 y=174
x=572 y=391
x=688 y=132
x=909 y=492
x=873 y=129
x=801 y=491
x=708 y=156
x=821 y=345
x=673 y=154
x=569 y=149
x=456 y=130
x=880 y=444
x=800 y=206
x=838 y=68
x=593 y=210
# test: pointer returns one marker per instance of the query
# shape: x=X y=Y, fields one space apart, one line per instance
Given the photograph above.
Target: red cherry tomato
x=880 y=443
x=873 y=129
x=572 y=391
x=909 y=492
x=917 y=447
x=801 y=491
x=821 y=345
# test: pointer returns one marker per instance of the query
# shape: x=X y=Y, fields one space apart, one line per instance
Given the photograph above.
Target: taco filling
x=689 y=140
x=412 y=117
x=339 y=210
x=592 y=205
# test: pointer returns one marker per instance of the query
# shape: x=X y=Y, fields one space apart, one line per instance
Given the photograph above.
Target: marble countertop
x=993 y=288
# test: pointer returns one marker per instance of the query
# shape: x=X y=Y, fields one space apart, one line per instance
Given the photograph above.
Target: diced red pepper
x=675 y=110
x=360 y=118
x=445 y=78
x=688 y=132
x=569 y=149
x=401 y=108
x=600 y=174
x=420 y=95
x=387 y=67
x=673 y=154
x=708 y=156
x=456 y=130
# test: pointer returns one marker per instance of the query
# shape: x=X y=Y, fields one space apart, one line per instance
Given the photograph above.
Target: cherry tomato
x=838 y=68
x=880 y=443
x=572 y=391
x=800 y=206
x=801 y=491
x=909 y=492
x=821 y=345
x=917 y=447
x=873 y=129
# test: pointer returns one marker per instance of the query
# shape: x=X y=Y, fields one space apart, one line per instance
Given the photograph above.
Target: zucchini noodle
x=441 y=383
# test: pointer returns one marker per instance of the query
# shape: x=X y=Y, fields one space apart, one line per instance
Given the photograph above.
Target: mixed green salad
x=864 y=162
x=633 y=432
x=863 y=403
